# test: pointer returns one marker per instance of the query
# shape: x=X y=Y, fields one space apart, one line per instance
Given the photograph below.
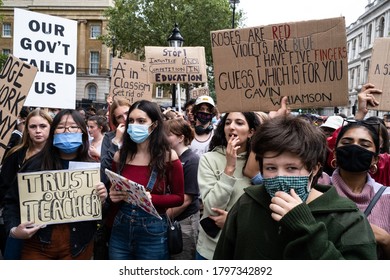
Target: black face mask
x=203 y=117
x=200 y=130
x=354 y=158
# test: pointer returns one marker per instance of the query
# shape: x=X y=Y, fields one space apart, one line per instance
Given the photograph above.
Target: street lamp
x=176 y=40
x=113 y=42
x=233 y=5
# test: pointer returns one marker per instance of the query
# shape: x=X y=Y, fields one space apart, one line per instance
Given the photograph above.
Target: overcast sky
x=265 y=12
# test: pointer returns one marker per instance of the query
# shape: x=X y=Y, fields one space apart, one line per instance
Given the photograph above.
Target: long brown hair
x=26 y=141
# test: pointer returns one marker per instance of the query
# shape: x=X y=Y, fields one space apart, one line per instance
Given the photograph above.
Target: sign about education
x=379 y=72
x=305 y=61
x=130 y=80
x=196 y=92
x=16 y=78
x=50 y=44
x=59 y=196
x=169 y=65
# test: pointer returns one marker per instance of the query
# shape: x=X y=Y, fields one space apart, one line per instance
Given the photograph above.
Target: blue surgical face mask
x=300 y=184
x=138 y=132
x=68 y=142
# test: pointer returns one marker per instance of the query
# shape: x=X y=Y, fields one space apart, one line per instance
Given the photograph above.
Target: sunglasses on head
x=376 y=124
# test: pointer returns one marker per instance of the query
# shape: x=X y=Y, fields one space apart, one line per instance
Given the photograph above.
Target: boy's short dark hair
x=291 y=134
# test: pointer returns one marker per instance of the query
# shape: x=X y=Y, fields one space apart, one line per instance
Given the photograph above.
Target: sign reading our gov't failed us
x=50 y=44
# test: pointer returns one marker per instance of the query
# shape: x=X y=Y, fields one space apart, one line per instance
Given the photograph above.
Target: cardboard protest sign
x=16 y=78
x=169 y=65
x=136 y=193
x=196 y=92
x=50 y=44
x=379 y=73
x=130 y=80
x=305 y=61
x=59 y=196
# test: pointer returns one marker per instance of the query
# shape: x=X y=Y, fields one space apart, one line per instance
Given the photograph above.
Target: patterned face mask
x=300 y=184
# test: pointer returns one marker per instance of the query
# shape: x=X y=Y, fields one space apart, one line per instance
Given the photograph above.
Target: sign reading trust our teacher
x=305 y=61
x=59 y=196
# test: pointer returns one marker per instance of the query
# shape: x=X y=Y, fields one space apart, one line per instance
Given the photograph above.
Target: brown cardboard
x=199 y=91
x=168 y=65
x=59 y=196
x=305 y=61
x=16 y=78
x=129 y=79
x=379 y=72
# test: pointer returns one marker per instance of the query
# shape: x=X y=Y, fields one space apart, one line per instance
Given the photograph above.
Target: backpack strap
x=374 y=200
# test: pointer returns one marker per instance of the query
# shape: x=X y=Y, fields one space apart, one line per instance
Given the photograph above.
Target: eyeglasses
x=71 y=129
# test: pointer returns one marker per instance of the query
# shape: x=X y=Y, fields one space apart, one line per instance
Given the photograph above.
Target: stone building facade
x=373 y=23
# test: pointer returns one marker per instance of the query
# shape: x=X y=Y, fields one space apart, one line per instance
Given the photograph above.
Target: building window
x=95 y=31
x=381 y=27
x=159 y=92
x=358 y=76
x=6 y=29
x=369 y=31
x=360 y=41
x=353 y=54
x=94 y=63
x=366 y=69
x=351 y=85
x=92 y=90
x=6 y=51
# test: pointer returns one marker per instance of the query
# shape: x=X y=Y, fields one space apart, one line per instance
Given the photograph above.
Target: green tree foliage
x=3 y=59
x=134 y=24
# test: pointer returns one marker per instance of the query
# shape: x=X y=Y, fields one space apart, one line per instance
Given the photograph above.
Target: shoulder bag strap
x=374 y=201
x=152 y=180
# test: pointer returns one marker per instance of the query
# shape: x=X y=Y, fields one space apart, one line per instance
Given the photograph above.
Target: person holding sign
x=290 y=216
x=220 y=175
x=34 y=136
x=147 y=159
x=360 y=175
x=112 y=142
x=67 y=141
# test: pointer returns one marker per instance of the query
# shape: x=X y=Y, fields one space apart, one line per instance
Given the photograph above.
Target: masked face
x=68 y=143
x=138 y=132
x=300 y=184
x=354 y=158
x=286 y=171
x=204 y=117
x=355 y=150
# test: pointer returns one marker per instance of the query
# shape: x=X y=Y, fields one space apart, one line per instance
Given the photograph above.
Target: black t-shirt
x=190 y=162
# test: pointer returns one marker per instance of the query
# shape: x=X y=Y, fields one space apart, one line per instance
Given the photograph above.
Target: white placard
x=50 y=44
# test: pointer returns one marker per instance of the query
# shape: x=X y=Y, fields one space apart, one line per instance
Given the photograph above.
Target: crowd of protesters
x=242 y=185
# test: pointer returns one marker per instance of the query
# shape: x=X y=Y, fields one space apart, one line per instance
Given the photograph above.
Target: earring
x=333 y=163
x=373 y=169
